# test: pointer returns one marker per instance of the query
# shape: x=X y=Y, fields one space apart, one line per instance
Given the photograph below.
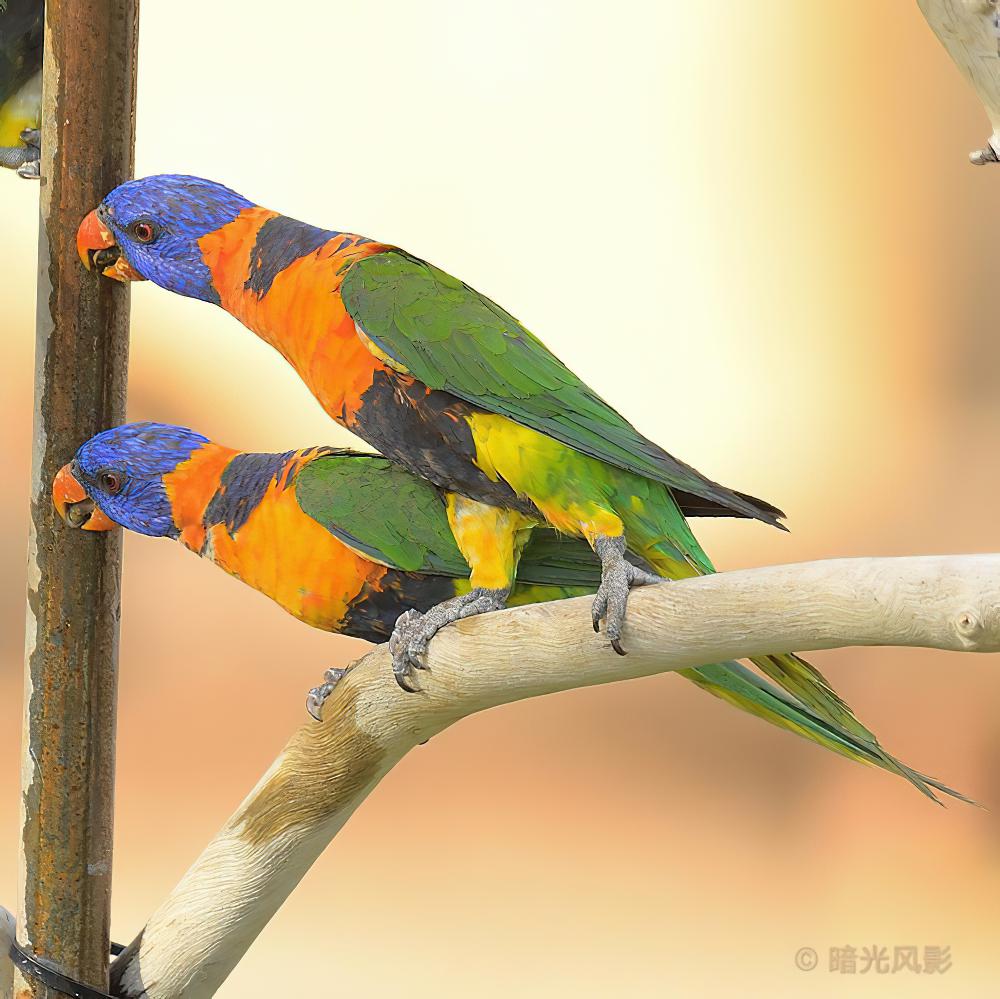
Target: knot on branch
x=977 y=631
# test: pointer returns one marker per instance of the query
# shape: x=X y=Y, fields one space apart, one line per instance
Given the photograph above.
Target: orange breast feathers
x=298 y=308
x=278 y=550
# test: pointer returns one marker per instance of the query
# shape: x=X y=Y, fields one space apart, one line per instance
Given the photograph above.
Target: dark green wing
x=560 y=561
x=452 y=338
x=399 y=520
x=377 y=509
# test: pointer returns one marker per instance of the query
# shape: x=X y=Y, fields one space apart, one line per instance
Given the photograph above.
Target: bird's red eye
x=111 y=482
x=143 y=232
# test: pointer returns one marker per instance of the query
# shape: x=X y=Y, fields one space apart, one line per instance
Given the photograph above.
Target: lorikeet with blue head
x=21 y=32
x=342 y=540
x=448 y=385
x=346 y=542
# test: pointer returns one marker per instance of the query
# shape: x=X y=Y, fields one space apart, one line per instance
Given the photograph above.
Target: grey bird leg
x=25 y=159
x=30 y=169
x=12 y=157
x=618 y=576
x=318 y=695
x=414 y=630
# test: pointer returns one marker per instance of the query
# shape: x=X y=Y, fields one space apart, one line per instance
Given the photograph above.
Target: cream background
x=751 y=227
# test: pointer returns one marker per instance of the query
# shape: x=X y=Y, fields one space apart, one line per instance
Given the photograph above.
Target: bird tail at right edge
x=800 y=699
x=744 y=689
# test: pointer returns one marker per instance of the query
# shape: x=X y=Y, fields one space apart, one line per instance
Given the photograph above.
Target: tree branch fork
x=327 y=768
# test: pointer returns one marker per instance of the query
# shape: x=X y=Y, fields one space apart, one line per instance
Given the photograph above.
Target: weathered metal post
x=88 y=134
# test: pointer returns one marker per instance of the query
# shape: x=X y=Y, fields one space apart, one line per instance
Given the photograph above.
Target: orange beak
x=92 y=236
x=96 y=245
x=75 y=506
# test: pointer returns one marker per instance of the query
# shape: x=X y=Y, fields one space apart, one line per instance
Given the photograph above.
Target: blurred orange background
x=753 y=228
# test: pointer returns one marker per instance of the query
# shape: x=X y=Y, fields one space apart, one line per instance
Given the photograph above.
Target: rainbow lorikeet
x=448 y=385
x=21 y=28
x=346 y=542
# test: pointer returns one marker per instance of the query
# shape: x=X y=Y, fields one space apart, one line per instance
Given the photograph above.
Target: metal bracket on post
x=31 y=969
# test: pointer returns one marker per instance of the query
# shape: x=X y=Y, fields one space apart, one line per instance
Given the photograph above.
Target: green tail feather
x=806 y=702
x=744 y=689
x=808 y=685
x=804 y=682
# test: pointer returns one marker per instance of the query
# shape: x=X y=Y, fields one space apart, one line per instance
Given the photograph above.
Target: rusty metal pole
x=67 y=765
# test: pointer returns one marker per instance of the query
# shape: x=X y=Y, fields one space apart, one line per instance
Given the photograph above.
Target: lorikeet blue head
x=149 y=229
x=117 y=478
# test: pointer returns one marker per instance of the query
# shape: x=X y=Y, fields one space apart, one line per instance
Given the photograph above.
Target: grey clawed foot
x=317 y=697
x=618 y=576
x=984 y=156
x=414 y=630
x=30 y=169
x=26 y=159
x=403 y=643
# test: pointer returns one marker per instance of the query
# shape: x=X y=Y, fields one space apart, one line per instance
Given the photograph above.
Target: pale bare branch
x=970 y=32
x=327 y=769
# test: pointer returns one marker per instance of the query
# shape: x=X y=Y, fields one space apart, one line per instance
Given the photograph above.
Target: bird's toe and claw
x=413 y=631
x=618 y=576
x=317 y=697
x=30 y=169
x=406 y=644
x=984 y=156
x=26 y=159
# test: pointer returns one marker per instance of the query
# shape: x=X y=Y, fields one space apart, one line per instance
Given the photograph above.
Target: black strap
x=29 y=966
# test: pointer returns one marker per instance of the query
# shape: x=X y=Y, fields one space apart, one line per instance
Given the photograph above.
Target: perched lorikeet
x=341 y=540
x=21 y=27
x=346 y=542
x=448 y=385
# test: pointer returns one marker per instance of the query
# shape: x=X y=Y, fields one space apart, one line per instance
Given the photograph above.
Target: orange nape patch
x=226 y=252
x=190 y=488
x=301 y=313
